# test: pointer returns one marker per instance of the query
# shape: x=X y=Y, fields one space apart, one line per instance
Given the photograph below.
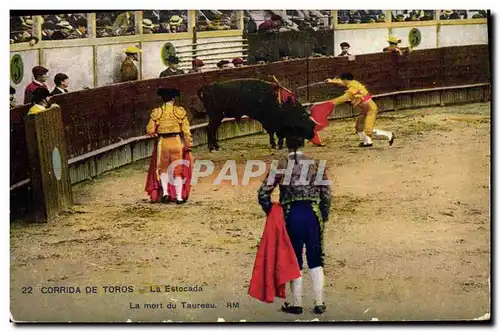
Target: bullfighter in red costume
x=306 y=204
x=169 y=123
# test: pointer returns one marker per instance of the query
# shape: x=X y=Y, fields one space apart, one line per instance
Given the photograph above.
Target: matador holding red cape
x=170 y=169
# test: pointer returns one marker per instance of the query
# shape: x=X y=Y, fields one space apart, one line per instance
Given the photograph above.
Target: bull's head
x=295 y=120
x=204 y=95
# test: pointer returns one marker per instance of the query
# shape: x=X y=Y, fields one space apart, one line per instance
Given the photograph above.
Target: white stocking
x=366 y=139
x=164 y=183
x=318 y=280
x=296 y=286
x=380 y=132
x=178 y=188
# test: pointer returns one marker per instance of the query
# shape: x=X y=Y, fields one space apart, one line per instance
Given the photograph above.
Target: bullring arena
x=408 y=236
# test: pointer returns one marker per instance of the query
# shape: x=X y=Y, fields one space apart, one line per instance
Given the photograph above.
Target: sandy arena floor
x=408 y=237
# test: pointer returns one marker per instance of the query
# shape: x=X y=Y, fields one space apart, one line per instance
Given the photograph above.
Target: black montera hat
x=168 y=93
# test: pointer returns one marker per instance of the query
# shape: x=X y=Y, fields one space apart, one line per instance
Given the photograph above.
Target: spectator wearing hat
x=237 y=62
x=39 y=79
x=129 y=70
x=345 y=49
x=104 y=28
x=147 y=26
x=12 y=97
x=223 y=64
x=61 y=82
x=446 y=14
x=173 y=67
x=81 y=29
x=219 y=22
x=380 y=18
x=65 y=28
x=48 y=29
x=28 y=24
x=271 y=25
x=250 y=25
x=174 y=23
x=40 y=100
x=479 y=14
x=170 y=124
x=343 y=20
x=393 y=45
x=197 y=65
x=122 y=23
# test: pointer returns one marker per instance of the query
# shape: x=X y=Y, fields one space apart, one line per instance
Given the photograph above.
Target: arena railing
x=105 y=126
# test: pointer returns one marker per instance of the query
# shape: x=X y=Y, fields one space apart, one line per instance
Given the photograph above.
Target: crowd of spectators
x=213 y=20
x=286 y=20
x=122 y=23
x=118 y=23
x=164 y=21
x=21 y=29
x=361 y=16
x=412 y=15
x=64 y=26
x=461 y=14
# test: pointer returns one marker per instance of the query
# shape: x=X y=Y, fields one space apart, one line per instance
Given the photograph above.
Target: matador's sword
x=312 y=84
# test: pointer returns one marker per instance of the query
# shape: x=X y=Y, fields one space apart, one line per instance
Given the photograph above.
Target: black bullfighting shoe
x=165 y=200
x=181 y=201
x=364 y=145
x=391 y=141
x=319 y=309
x=291 y=309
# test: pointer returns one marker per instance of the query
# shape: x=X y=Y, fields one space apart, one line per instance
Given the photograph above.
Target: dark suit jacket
x=170 y=72
x=56 y=91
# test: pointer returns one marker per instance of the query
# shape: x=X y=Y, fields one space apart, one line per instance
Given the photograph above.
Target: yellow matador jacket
x=170 y=119
x=357 y=94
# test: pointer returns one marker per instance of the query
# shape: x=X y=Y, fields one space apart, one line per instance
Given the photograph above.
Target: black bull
x=258 y=100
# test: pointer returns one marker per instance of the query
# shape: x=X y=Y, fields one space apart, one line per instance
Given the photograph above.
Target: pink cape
x=320 y=114
x=275 y=263
x=153 y=185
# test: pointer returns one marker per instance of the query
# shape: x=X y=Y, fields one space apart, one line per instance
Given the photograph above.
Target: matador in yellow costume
x=170 y=124
x=359 y=97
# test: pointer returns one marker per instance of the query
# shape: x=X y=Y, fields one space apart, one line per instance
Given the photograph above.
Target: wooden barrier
x=48 y=163
x=104 y=126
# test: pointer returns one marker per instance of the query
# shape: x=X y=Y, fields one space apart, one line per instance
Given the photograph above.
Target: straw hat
x=65 y=25
x=175 y=20
x=394 y=40
x=147 y=23
x=133 y=49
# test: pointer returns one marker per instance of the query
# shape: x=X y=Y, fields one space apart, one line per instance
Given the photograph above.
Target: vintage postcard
x=214 y=165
